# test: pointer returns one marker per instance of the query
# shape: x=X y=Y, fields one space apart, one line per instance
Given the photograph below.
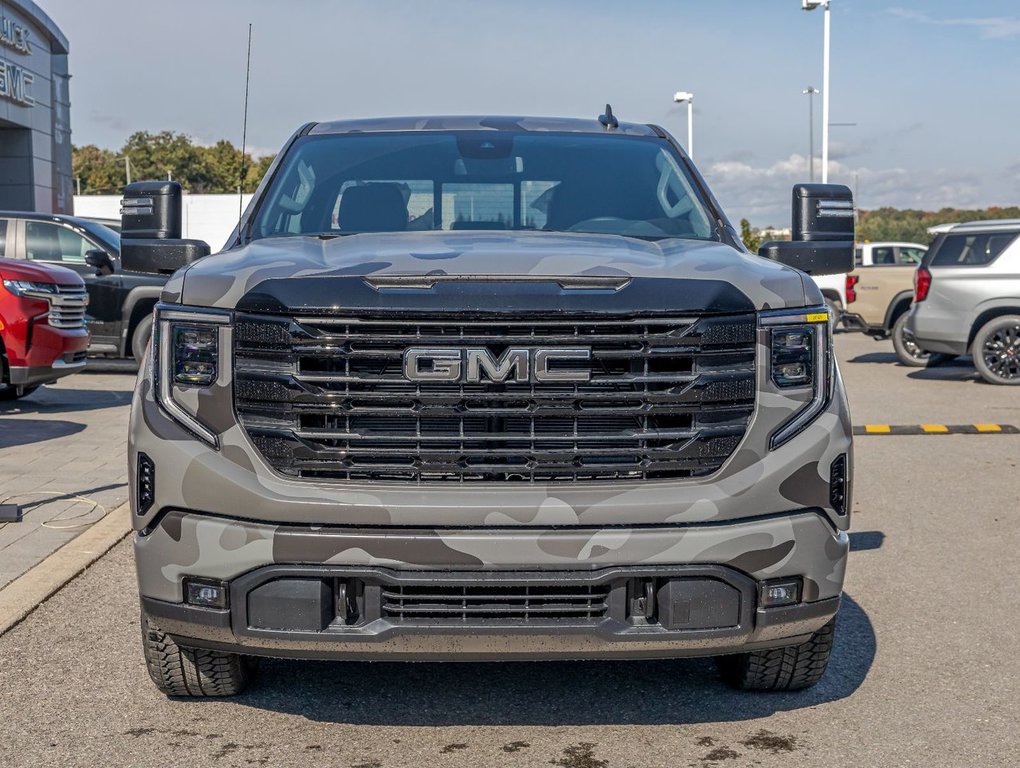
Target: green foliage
x=213 y=169
x=751 y=238
x=912 y=225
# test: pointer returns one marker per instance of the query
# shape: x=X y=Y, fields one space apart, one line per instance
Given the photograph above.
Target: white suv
x=967 y=297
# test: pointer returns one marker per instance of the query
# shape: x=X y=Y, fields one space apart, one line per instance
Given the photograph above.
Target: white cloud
x=991 y=27
x=761 y=193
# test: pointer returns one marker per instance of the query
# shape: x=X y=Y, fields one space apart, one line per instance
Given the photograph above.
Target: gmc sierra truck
x=468 y=388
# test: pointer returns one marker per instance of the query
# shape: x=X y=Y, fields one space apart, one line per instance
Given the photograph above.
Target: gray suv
x=967 y=297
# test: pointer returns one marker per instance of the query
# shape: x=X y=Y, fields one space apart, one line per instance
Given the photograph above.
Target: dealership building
x=35 y=124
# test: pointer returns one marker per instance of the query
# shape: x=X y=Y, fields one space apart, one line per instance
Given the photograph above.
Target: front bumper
x=52 y=354
x=715 y=571
x=65 y=365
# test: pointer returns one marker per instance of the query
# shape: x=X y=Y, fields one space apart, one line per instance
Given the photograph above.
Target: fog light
x=207 y=594
x=779 y=592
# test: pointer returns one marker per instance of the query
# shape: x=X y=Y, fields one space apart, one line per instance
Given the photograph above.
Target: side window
x=882 y=255
x=3 y=237
x=971 y=250
x=910 y=256
x=51 y=242
x=858 y=257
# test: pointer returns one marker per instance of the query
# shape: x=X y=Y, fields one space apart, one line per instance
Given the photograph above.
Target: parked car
x=967 y=297
x=878 y=295
x=120 y=302
x=42 y=326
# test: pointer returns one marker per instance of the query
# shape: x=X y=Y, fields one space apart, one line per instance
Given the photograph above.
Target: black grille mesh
x=327 y=399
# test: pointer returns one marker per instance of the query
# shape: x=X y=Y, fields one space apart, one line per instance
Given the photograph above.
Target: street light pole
x=810 y=5
x=825 y=97
x=680 y=97
x=811 y=91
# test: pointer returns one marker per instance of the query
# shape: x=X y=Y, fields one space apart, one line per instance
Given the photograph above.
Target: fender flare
x=135 y=297
x=892 y=312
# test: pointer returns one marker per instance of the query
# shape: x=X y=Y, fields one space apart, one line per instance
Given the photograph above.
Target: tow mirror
x=100 y=260
x=823 y=231
x=150 y=234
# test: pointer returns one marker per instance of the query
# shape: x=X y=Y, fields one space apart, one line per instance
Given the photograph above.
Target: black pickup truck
x=120 y=302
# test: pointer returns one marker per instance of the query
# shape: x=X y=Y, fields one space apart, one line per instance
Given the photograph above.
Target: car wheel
x=140 y=339
x=907 y=351
x=11 y=392
x=997 y=350
x=193 y=672
x=780 y=669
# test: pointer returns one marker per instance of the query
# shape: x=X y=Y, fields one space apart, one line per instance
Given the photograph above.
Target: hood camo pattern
x=221 y=281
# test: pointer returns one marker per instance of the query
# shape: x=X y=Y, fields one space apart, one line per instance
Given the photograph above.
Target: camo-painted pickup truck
x=490 y=388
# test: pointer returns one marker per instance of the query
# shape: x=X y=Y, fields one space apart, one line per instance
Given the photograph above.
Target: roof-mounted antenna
x=609 y=120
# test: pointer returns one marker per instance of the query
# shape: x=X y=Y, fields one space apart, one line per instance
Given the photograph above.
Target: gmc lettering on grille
x=473 y=365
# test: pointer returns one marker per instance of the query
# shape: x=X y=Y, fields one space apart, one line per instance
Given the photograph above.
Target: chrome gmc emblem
x=473 y=365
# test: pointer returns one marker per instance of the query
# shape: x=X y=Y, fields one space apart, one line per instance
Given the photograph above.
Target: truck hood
x=29 y=271
x=487 y=272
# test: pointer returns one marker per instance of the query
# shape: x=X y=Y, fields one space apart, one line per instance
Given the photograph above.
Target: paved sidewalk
x=62 y=453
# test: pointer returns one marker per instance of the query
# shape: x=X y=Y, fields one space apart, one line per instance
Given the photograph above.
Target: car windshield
x=106 y=236
x=339 y=184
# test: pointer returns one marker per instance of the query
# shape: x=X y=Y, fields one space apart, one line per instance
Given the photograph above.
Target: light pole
x=811 y=91
x=810 y=5
x=680 y=97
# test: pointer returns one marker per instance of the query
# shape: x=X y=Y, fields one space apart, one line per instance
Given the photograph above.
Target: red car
x=42 y=325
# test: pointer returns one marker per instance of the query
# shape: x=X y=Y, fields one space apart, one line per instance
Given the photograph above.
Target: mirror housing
x=100 y=260
x=150 y=235
x=822 y=231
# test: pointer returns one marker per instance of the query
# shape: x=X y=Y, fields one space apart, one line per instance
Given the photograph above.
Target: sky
x=932 y=87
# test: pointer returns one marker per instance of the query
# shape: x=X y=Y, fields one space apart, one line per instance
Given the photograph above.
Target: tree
x=751 y=240
x=199 y=169
x=98 y=171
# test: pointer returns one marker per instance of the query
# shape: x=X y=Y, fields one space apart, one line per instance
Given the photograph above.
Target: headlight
x=191 y=357
x=195 y=351
x=34 y=290
x=800 y=364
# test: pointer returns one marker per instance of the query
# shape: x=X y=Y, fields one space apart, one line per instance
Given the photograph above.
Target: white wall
x=206 y=217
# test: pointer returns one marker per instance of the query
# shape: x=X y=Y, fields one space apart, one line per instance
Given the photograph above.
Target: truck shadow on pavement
x=66 y=401
x=547 y=693
x=14 y=432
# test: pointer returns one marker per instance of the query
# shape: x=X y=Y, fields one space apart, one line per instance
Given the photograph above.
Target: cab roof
x=480 y=123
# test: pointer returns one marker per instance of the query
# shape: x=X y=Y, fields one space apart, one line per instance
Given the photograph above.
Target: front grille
x=67 y=307
x=481 y=602
x=327 y=399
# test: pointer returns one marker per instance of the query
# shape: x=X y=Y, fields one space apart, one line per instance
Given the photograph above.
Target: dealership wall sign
x=16 y=84
x=13 y=35
x=35 y=111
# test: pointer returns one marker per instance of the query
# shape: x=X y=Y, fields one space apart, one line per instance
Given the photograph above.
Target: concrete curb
x=27 y=592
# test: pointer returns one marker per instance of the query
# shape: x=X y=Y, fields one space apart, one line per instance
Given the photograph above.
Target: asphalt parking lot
x=922 y=672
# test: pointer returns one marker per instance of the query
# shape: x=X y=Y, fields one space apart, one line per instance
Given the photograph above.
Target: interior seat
x=373 y=208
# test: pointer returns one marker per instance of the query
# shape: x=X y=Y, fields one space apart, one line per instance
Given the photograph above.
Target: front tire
x=192 y=672
x=996 y=350
x=907 y=351
x=140 y=338
x=11 y=392
x=792 y=668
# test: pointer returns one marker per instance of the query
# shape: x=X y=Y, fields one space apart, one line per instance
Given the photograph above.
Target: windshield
x=343 y=184
x=106 y=236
